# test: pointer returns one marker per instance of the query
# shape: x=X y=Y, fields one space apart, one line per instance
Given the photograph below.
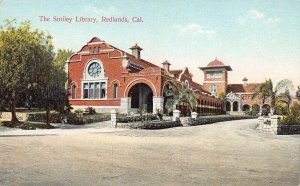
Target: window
x=91 y=50
x=73 y=92
x=85 y=90
x=99 y=50
x=102 y=91
x=213 y=88
x=214 y=75
x=115 y=90
x=95 y=50
x=94 y=90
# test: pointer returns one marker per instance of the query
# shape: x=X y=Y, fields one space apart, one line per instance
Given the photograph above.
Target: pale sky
x=257 y=38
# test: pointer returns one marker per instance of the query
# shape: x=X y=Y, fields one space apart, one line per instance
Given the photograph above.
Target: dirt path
x=228 y=153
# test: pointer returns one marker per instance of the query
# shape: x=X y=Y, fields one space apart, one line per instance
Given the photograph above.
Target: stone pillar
x=113 y=117
x=239 y=106
x=231 y=106
x=158 y=103
x=194 y=115
x=176 y=114
x=274 y=124
x=125 y=105
x=261 y=122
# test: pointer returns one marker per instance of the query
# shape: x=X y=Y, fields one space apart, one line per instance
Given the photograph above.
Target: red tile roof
x=215 y=63
x=242 y=88
x=176 y=72
x=136 y=47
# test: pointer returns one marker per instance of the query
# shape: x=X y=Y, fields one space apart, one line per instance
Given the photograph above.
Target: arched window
x=99 y=50
x=73 y=92
x=115 y=90
x=95 y=50
x=91 y=50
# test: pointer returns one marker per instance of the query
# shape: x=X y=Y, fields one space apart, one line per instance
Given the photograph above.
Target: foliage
x=298 y=93
x=187 y=96
x=170 y=98
x=25 y=56
x=61 y=57
x=159 y=114
x=281 y=108
x=222 y=95
x=265 y=111
x=251 y=113
x=266 y=91
x=293 y=117
x=90 y=110
x=28 y=125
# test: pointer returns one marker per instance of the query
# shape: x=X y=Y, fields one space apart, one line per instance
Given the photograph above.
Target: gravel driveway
x=227 y=153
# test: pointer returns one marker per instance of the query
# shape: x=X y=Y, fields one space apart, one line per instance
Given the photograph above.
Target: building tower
x=216 y=77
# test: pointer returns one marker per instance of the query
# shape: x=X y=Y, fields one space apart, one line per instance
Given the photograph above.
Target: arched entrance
x=228 y=106
x=235 y=106
x=246 y=107
x=141 y=97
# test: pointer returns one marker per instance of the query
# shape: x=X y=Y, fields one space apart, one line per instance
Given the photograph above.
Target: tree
x=61 y=57
x=298 y=93
x=25 y=55
x=266 y=91
x=187 y=96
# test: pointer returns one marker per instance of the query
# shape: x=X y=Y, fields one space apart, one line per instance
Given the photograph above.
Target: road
x=226 y=153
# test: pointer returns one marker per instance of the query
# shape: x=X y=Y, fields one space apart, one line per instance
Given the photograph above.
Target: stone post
x=113 y=116
x=125 y=105
x=261 y=122
x=158 y=104
x=194 y=115
x=176 y=114
x=274 y=124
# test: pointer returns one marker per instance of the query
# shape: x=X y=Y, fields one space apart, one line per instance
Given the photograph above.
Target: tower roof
x=136 y=47
x=166 y=62
x=216 y=64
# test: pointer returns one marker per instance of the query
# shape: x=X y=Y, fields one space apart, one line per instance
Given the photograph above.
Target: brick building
x=105 y=78
x=237 y=97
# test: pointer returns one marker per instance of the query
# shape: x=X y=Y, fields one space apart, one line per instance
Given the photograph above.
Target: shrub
x=293 y=117
x=281 y=108
x=251 y=112
x=90 y=110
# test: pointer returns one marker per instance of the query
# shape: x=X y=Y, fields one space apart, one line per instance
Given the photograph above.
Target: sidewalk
x=101 y=127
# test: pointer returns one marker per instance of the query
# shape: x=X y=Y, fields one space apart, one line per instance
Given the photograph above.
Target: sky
x=259 y=39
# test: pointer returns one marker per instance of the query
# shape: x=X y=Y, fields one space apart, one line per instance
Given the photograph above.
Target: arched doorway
x=235 y=106
x=141 y=97
x=228 y=106
x=246 y=107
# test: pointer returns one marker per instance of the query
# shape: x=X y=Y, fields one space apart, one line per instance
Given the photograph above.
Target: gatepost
x=113 y=117
x=176 y=114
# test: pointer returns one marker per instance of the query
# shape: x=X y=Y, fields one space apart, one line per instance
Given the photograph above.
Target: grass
x=26 y=125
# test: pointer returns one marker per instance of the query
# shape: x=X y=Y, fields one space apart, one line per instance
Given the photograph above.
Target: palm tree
x=266 y=91
x=187 y=96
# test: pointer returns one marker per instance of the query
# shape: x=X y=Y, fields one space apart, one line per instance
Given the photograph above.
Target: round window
x=94 y=69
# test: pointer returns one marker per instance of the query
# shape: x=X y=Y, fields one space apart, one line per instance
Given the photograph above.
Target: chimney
x=166 y=66
x=136 y=51
x=245 y=80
